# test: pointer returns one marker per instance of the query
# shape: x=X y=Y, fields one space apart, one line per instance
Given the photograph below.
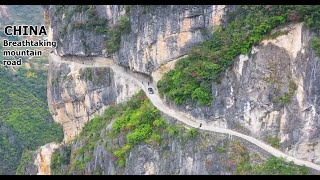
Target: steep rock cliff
x=150 y=142
x=158 y=34
x=208 y=153
x=272 y=92
x=76 y=94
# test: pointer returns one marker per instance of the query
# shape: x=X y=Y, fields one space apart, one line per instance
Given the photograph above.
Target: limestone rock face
x=254 y=95
x=43 y=158
x=158 y=34
x=173 y=156
x=76 y=94
x=272 y=92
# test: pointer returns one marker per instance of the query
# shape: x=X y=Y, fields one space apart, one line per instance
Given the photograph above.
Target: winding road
x=158 y=103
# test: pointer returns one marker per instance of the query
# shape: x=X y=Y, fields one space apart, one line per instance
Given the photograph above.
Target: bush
x=277 y=166
x=192 y=133
x=172 y=130
x=315 y=43
x=286 y=98
x=25 y=162
x=159 y=123
x=56 y=162
x=114 y=36
x=274 y=141
x=221 y=149
x=155 y=138
x=140 y=134
x=59 y=158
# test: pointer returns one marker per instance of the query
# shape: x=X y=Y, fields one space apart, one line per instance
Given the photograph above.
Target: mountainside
x=24 y=116
x=25 y=121
x=246 y=69
x=135 y=138
x=21 y=14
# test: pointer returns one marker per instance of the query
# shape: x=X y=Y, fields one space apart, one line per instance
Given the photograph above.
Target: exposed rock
x=76 y=94
x=248 y=98
x=158 y=34
x=43 y=158
x=174 y=155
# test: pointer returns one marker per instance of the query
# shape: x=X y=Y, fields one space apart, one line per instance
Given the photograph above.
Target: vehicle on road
x=150 y=91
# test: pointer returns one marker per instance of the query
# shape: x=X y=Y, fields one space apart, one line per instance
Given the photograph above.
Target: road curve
x=158 y=103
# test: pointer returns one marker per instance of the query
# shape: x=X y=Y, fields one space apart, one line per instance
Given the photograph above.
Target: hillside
x=176 y=89
x=24 y=116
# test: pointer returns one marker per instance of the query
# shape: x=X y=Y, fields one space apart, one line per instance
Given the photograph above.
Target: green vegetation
x=276 y=34
x=93 y=23
x=114 y=35
x=136 y=121
x=241 y=157
x=25 y=122
x=25 y=162
x=277 y=166
x=192 y=133
x=192 y=77
x=141 y=122
x=221 y=149
x=274 y=141
x=286 y=98
x=315 y=43
x=273 y=166
x=99 y=25
x=36 y=81
x=60 y=157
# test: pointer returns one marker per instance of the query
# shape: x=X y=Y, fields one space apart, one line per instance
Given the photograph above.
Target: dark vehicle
x=150 y=90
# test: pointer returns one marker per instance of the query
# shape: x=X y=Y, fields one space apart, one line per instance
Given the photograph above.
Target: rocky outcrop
x=37 y=162
x=158 y=34
x=76 y=94
x=43 y=158
x=272 y=92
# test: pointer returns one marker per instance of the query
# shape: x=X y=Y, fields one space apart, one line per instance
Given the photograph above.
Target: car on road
x=150 y=91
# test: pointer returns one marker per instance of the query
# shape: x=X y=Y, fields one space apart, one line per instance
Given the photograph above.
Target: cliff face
x=273 y=91
x=157 y=34
x=76 y=94
x=208 y=153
